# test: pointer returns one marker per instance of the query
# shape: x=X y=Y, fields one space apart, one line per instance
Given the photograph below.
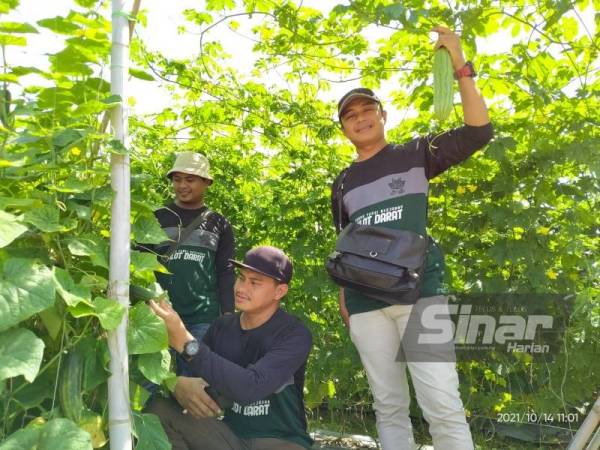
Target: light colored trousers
x=378 y=335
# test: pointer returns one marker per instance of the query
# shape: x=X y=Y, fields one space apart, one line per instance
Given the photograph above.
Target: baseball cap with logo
x=191 y=163
x=353 y=94
x=269 y=261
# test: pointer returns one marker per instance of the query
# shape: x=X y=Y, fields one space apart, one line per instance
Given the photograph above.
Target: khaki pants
x=185 y=432
x=377 y=336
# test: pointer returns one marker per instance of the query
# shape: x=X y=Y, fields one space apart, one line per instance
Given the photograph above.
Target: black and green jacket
x=200 y=282
x=390 y=190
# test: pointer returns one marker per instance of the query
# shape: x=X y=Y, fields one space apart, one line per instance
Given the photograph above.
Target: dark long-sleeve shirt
x=390 y=190
x=262 y=371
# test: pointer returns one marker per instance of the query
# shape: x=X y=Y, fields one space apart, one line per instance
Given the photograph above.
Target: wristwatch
x=465 y=71
x=190 y=349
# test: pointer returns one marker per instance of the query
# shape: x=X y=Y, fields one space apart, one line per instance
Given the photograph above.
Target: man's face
x=255 y=292
x=363 y=121
x=189 y=189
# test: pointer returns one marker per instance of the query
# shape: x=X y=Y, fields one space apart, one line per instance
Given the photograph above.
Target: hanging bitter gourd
x=443 y=84
x=69 y=389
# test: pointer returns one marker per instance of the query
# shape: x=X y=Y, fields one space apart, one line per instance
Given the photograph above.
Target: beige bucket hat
x=192 y=164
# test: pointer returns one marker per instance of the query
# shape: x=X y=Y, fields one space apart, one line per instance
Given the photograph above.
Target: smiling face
x=363 y=122
x=189 y=189
x=256 y=293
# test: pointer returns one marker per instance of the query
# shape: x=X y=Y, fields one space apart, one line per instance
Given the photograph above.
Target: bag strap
x=340 y=191
x=187 y=231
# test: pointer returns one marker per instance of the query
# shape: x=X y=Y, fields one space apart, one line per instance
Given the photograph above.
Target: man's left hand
x=451 y=42
x=178 y=333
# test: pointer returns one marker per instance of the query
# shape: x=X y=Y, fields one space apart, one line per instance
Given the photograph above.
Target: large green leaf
x=10 y=228
x=65 y=435
x=149 y=432
x=70 y=292
x=147 y=230
x=21 y=353
x=91 y=246
x=59 y=25
x=155 y=366
x=44 y=219
x=25 y=439
x=109 y=312
x=147 y=332
x=26 y=288
x=97 y=357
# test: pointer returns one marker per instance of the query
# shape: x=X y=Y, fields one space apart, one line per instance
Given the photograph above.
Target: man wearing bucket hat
x=256 y=358
x=200 y=282
x=387 y=186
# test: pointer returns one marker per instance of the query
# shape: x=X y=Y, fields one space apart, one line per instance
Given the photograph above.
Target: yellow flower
x=461 y=190
x=543 y=231
x=551 y=274
x=471 y=187
x=75 y=151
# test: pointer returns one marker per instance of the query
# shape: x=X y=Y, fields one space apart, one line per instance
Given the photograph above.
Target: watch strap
x=465 y=71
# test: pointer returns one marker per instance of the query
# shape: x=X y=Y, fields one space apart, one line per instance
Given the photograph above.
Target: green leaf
x=59 y=24
x=140 y=74
x=14 y=27
x=95 y=248
x=72 y=61
x=70 y=292
x=149 y=432
x=9 y=78
x=155 y=366
x=109 y=312
x=33 y=394
x=73 y=186
x=218 y=5
x=26 y=288
x=25 y=439
x=10 y=228
x=97 y=356
x=64 y=434
x=7 y=5
x=21 y=353
x=44 y=219
x=9 y=39
x=147 y=332
x=68 y=136
x=52 y=320
x=143 y=262
x=147 y=230
x=86 y=3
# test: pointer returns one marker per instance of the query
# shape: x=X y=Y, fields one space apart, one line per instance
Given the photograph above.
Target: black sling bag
x=383 y=263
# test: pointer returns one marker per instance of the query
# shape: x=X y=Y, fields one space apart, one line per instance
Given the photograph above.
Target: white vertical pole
x=587 y=429
x=119 y=409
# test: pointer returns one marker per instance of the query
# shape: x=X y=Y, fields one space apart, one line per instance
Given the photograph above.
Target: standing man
x=200 y=282
x=256 y=357
x=387 y=185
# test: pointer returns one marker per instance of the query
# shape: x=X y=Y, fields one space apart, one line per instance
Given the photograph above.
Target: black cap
x=354 y=93
x=269 y=261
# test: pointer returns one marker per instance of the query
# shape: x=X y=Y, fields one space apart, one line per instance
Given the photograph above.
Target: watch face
x=191 y=347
